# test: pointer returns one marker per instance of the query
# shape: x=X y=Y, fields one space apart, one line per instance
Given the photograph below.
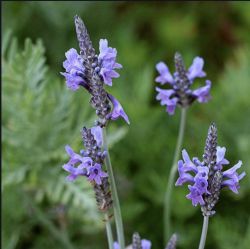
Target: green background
x=40 y=116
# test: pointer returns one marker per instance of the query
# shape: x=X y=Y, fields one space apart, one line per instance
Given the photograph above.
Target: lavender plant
x=208 y=177
x=92 y=72
x=179 y=94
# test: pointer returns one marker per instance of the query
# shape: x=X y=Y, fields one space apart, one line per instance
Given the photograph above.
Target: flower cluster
x=207 y=177
x=180 y=82
x=88 y=163
x=107 y=62
x=92 y=71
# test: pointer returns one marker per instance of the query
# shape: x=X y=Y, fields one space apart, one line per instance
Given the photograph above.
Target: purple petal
x=117 y=110
x=71 y=177
x=231 y=178
x=195 y=196
x=97 y=133
x=103 y=45
x=201 y=183
x=74 y=172
x=69 y=150
x=146 y=244
x=195 y=69
x=189 y=165
x=165 y=76
x=242 y=175
x=220 y=157
x=232 y=185
x=96 y=173
x=202 y=172
x=107 y=62
x=183 y=176
x=116 y=245
x=73 y=62
x=203 y=93
x=117 y=65
x=165 y=99
x=74 y=68
x=74 y=157
x=98 y=180
x=231 y=172
x=69 y=168
x=103 y=174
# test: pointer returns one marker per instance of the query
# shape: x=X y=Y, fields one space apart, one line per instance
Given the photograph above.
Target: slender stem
x=204 y=232
x=109 y=232
x=171 y=178
x=116 y=204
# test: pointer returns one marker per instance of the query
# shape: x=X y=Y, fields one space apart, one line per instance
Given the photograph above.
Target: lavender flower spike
x=89 y=165
x=92 y=71
x=207 y=178
x=172 y=242
x=180 y=82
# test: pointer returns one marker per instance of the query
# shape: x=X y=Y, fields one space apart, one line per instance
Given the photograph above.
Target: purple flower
x=77 y=165
x=74 y=74
x=195 y=195
x=116 y=245
x=96 y=174
x=92 y=71
x=194 y=172
x=165 y=76
x=184 y=176
x=180 y=82
x=231 y=178
x=117 y=110
x=146 y=244
x=203 y=93
x=107 y=62
x=220 y=158
x=166 y=98
x=200 y=179
x=97 y=133
x=196 y=69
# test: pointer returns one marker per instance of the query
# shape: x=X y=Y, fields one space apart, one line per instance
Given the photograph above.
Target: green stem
x=204 y=232
x=109 y=232
x=116 y=204
x=171 y=178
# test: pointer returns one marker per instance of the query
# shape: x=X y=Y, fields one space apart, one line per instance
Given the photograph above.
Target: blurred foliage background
x=40 y=116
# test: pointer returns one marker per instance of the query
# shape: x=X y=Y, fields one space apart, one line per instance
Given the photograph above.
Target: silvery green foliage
x=35 y=116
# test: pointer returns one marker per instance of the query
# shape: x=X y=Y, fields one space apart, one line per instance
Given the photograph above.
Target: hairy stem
x=116 y=204
x=171 y=178
x=109 y=232
x=204 y=232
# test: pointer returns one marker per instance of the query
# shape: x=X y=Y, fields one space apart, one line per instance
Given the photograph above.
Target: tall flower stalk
x=109 y=232
x=91 y=72
x=179 y=94
x=208 y=177
x=171 y=178
x=204 y=232
x=116 y=203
